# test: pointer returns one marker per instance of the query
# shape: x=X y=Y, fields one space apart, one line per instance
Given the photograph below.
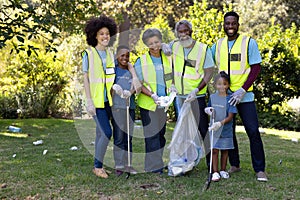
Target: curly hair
x=95 y=24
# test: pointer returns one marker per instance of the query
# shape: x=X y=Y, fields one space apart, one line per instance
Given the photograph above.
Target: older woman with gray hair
x=154 y=70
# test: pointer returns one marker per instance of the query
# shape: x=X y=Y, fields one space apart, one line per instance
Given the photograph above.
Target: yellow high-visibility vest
x=238 y=65
x=99 y=78
x=188 y=71
x=149 y=75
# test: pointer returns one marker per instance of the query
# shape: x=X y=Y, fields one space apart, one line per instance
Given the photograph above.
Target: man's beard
x=186 y=41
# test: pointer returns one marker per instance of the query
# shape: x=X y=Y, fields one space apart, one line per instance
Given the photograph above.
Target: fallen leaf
x=160 y=192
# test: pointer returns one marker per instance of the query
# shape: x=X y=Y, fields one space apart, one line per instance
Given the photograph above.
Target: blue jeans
x=119 y=123
x=198 y=106
x=103 y=134
x=154 y=126
x=248 y=114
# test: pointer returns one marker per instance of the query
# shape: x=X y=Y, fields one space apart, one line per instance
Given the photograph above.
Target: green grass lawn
x=65 y=174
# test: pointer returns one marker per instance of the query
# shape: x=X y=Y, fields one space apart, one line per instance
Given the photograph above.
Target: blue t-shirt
x=124 y=79
x=254 y=57
x=223 y=136
x=85 y=66
x=160 y=82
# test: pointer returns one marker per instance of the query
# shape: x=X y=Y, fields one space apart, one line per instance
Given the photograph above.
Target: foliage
x=8 y=107
x=287 y=120
x=33 y=82
x=141 y=12
x=70 y=100
x=43 y=19
x=207 y=24
x=279 y=80
x=256 y=14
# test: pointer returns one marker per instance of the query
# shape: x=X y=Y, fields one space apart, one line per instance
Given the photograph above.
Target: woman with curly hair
x=99 y=75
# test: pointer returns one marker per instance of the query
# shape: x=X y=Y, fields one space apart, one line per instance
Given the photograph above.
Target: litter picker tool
x=207 y=183
x=128 y=136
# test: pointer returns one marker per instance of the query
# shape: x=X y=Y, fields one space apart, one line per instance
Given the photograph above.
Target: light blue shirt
x=85 y=66
x=254 y=57
x=160 y=82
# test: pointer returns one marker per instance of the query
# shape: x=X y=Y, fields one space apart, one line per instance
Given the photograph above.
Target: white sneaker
x=261 y=176
x=215 y=177
x=224 y=174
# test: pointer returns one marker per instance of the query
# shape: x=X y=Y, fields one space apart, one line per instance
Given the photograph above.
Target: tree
x=35 y=83
x=257 y=13
x=43 y=19
x=137 y=14
x=279 y=80
x=207 y=23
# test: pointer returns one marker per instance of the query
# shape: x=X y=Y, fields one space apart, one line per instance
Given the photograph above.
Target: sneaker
x=234 y=169
x=100 y=172
x=224 y=174
x=215 y=177
x=261 y=176
x=131 y=170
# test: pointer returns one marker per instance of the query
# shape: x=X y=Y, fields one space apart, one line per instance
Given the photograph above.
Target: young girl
x=123 y=93
x=99 y=75
x=223 y=113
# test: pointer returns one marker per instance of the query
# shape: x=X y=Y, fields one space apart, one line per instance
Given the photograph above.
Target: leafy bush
x=8 y=108
x=283 y=121
x=33 y=83
x=279 y=79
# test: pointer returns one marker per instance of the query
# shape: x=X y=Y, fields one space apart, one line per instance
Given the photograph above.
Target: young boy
x=121 y=96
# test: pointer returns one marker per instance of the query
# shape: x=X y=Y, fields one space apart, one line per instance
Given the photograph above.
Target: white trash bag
x=186 y=147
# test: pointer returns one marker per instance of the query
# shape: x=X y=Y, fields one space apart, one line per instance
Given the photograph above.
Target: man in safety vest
x=193 y=69
x=239 y=56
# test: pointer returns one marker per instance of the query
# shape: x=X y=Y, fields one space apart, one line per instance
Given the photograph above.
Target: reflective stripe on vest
x=149 y=75
x=239 y=65
x=98 y=78
x=187 y=77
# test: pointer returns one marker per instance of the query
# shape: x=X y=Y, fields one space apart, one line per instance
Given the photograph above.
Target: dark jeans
x=119 y=123
x=154 y=126
x=201 y=118
x=247 y=112
x=103 y=134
